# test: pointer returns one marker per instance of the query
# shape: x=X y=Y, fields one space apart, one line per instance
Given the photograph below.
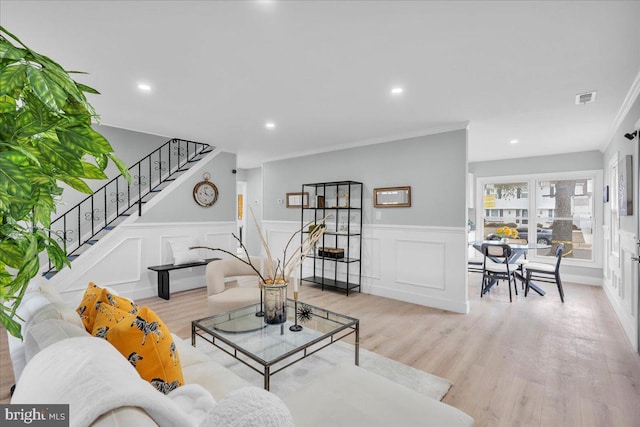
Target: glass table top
x=243 y=330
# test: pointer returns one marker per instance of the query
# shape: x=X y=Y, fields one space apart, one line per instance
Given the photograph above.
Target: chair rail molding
x=419 y=264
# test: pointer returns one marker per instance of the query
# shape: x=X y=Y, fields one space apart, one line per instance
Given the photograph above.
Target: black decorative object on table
x=304 y=313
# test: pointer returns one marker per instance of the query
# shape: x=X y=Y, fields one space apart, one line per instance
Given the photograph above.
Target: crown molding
x=628 y=102
x=372 y=141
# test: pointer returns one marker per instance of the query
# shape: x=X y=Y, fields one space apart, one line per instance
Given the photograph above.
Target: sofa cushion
x=33 y=309
x=40 y=335
x=145 y=341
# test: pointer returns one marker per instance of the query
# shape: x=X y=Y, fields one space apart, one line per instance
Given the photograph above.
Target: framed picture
x=298 y=200
x=392 y=197
x=320 y=201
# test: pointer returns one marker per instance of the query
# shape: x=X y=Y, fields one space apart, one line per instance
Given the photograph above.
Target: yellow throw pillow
x=145 y=341
x=87 y=304
x=94 y=297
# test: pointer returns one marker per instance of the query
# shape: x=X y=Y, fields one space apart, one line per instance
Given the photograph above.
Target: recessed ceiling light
x=144 y=87
x=397 y=91
x=513 y=141
x=270 y=125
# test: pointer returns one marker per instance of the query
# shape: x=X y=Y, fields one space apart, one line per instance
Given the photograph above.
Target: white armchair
x=221 y=296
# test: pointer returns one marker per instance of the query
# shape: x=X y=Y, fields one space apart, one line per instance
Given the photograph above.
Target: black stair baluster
x=139 y=197
x=105 y=207
x=91 y=216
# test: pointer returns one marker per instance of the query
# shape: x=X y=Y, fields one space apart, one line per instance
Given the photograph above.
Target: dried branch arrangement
x=279 y=270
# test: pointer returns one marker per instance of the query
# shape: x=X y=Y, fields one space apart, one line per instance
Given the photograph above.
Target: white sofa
x=348 y=396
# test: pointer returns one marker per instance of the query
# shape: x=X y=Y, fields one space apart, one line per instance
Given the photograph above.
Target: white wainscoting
x=620 y=285
x=418 y=264
x=120 y=259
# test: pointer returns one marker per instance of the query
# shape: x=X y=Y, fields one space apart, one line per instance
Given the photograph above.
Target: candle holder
x=261 y=312
x=296 y=327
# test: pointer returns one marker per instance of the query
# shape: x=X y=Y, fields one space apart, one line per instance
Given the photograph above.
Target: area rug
x=294 y=377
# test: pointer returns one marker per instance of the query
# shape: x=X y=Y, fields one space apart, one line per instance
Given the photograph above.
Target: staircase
x=93 y=218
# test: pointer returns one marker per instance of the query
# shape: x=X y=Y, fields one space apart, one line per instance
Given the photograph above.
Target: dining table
x=518 y=249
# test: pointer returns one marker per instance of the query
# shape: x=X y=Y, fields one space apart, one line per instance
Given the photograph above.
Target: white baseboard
x=625 y=321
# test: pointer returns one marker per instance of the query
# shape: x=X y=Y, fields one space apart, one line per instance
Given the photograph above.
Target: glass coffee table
x=268 y=349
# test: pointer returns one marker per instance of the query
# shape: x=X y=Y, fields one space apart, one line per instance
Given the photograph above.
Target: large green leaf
x=102 y=161
x=64 y=159
x=92 y=172
x=10 y=254
x=5 y=277
x=7 y=104
x=76 y=183
x=12 y=79
x=12 y=179
x=22 y=150
x=8 y=51
x=87 y=89
x=42 y=215
x=11 y=325
x=87 y=138
x=57 y=256
x=40 y=87
x=121 y=166
x=33 y=121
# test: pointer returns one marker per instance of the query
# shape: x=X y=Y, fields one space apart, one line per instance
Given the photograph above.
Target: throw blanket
x=94 y=378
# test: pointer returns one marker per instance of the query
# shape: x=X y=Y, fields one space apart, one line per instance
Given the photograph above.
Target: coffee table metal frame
x=344 y=326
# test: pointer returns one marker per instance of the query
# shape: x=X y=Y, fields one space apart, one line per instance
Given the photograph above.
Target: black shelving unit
x=343 y=200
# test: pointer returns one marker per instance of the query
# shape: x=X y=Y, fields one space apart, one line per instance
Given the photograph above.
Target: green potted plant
x=45 y=137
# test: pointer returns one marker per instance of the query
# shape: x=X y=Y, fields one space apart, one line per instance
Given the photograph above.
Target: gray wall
x=621 y=145
x=179 y=206
x=434 y=166
x=586 y=160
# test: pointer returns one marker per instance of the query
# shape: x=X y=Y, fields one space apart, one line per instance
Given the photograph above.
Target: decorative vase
x=275 y=303
x=504 y=240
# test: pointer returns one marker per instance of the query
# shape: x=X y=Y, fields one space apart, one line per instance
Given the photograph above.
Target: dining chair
x=475 y=265
x=496 y=267
x=522 y=261
x=546 y=272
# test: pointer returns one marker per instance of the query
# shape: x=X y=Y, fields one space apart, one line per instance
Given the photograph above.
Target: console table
x=163 y=274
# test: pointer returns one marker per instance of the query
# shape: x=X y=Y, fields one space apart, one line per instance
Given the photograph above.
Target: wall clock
x=205 y=193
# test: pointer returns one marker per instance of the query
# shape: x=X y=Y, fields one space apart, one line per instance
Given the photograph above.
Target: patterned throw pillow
x=87 y=304
x=94 y=298
x=145 y=341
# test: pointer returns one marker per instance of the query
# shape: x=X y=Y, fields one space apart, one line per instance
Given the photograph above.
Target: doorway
x=241 y=217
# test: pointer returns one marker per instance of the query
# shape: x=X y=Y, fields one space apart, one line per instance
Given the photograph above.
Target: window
x=505 y=204
x=552 y=209
x=568 y=205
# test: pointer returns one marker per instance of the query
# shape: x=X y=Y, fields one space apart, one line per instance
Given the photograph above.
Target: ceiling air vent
x=585 y=98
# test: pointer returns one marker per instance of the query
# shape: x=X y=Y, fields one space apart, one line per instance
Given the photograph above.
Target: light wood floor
x=534 y=362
